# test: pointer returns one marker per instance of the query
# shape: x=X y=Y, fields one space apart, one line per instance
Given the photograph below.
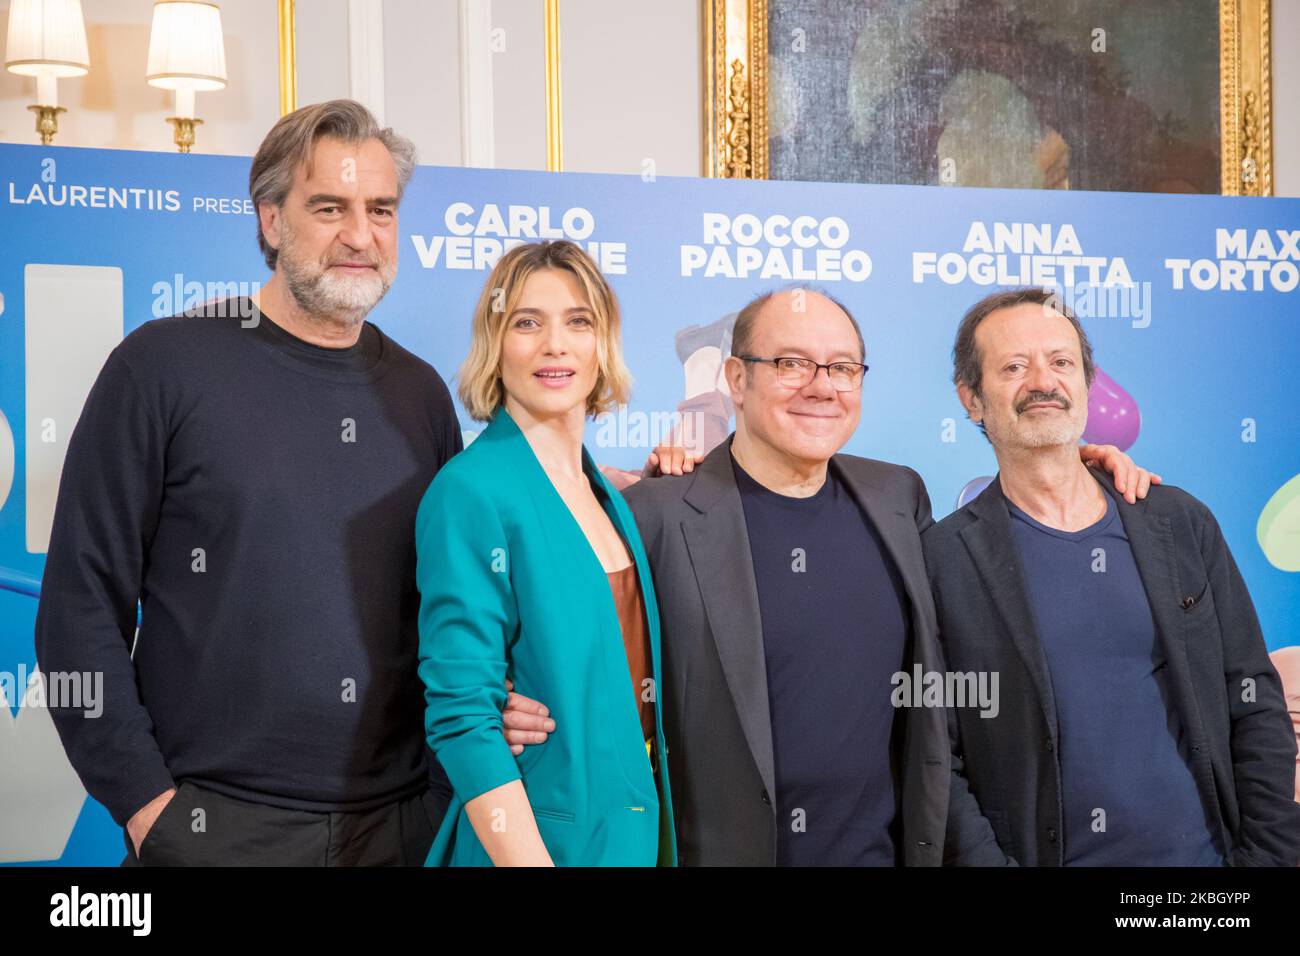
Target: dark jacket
x=1242 y=752
x=716 y=717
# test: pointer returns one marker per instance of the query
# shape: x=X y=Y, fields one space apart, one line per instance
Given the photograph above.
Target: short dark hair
x=742 y=331
x=968 y=363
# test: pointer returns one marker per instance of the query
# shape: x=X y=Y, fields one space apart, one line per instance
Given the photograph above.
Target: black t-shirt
x=834 y=633
x=257 y=493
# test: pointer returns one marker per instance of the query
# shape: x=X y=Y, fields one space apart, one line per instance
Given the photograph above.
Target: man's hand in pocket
x=138 y=826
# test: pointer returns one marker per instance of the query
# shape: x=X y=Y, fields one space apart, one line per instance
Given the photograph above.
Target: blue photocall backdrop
x=1189 y=301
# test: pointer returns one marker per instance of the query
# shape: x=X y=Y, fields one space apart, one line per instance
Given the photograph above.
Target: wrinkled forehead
x=1026 y=328
x=335 y=164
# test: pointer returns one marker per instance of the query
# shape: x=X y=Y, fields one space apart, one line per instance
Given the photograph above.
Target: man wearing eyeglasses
x=782 y=705
x=792 y=589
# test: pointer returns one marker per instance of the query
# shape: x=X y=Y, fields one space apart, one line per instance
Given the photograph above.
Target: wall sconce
x=47 y=40
x=187 y=54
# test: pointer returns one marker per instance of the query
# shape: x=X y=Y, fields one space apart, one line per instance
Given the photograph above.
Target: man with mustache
x=250 y=473
x=1140 y=721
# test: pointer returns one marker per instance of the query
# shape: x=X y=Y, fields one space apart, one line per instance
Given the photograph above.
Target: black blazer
x=716 y=718
x=1243 y=752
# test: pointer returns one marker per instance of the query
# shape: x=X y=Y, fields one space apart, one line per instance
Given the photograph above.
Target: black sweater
x=257 y=495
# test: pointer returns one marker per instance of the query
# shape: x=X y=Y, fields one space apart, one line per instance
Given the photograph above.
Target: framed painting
x=1158 y=96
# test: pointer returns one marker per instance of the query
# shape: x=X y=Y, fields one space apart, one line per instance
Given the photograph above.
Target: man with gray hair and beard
x=250 y=474
x=1140 y=721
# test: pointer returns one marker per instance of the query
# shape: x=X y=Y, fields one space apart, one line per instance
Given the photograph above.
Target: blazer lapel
x=994 y=553
x=897 y=529
x=718 y=543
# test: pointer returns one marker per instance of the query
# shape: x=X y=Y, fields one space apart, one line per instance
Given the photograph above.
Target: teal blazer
x=510 y=587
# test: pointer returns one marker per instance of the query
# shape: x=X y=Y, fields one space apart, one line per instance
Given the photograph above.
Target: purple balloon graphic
x=972 y=489
x=1113 y=416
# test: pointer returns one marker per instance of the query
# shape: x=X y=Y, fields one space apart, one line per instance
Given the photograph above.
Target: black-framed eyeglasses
x=797 y=372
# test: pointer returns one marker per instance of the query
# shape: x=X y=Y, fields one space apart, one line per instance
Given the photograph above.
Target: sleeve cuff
x=477 y=762
x=144 y=786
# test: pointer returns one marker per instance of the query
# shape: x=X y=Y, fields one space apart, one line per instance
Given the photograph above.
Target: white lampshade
x=186 y=48
x=47 y=38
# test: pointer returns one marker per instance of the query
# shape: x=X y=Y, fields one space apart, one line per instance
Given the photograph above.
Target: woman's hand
x=504 y=823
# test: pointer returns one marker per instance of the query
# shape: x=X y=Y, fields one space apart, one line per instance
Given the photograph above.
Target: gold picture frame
x=288 y=47
x=1246 y=97
x=736 y=140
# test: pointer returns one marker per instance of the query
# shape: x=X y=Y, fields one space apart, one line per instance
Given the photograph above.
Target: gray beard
x=319 y=293
x=1014 y=435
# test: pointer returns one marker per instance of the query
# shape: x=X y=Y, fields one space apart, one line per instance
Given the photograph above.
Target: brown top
x=636 y=640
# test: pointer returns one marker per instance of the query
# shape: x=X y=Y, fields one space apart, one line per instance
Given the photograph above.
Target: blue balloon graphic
x=971 y=490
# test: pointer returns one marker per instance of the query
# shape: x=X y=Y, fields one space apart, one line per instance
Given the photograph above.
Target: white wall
x=631 y=82
x=422 y=76
x=519 y=85
x=633 y=86
x=322 y=50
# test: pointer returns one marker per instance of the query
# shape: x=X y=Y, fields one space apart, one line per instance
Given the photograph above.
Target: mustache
x=1034 y=397
x=372 y=261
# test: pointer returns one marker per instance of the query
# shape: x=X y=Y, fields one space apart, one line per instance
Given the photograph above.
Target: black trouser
x=231 y=832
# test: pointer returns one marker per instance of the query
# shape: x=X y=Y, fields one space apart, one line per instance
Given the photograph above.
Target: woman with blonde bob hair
x=530 y=569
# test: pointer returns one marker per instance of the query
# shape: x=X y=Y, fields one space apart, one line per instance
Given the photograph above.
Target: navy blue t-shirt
x=834 y=634
x=1128 y=793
